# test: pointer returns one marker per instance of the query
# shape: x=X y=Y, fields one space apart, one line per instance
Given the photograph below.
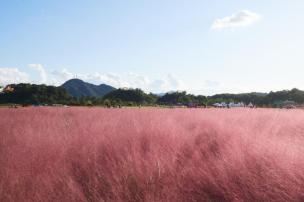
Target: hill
x=178 y=98
x=34 y=94
x=78 y=88
x=78 y=92
x=130 y=95
x=254 y=97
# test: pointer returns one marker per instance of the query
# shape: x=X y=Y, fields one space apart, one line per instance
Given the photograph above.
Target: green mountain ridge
x=78 y=88
x=78 y=92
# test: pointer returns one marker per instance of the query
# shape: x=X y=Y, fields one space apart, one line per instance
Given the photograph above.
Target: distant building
x=220 y=105
x=233 y=105
x=250 y=105
x=289 y=104
x=230 y=105
x=223 y=104
x=217 y=105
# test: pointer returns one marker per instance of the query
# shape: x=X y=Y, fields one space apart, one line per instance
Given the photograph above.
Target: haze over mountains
x=79 y=88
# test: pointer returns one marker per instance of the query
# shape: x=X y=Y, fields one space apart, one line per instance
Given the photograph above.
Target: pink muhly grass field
x=149 y=154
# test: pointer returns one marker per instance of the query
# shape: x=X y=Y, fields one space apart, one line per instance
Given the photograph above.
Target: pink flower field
x=150 y=154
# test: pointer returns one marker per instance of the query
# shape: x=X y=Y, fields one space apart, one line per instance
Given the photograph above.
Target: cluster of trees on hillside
x=32 y=94
x=41 y=94
x=131 y=96
x=181 y=98
x=27 y=94
x=274 y=98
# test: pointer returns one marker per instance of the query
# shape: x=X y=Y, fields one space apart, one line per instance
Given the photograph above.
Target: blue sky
x=204 y=47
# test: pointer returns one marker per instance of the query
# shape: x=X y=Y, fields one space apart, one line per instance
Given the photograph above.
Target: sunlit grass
x=150 y=154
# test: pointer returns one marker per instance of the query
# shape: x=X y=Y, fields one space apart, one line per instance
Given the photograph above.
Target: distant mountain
x=79 y=88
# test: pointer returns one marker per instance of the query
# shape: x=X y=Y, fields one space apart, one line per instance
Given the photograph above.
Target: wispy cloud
x=132 y=80
x=42 y=72
x=64 y=74
x=12 y=75
x=240 y=19
x=166 y=83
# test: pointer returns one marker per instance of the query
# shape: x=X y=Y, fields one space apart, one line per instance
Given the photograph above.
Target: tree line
x=32 y=94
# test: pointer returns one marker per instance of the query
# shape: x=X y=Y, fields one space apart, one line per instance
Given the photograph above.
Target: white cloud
x=64 y=74
x=12 y=75
x=130 y=80
x=240 y=19
x=207 y=87
x=167 y=83
x=109 y=78
x=42 y=72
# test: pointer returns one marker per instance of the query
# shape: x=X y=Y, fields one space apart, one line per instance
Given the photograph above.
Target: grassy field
x=149 y=154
